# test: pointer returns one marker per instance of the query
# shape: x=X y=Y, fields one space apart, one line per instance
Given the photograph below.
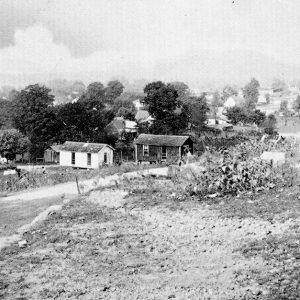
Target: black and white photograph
x=150 y=149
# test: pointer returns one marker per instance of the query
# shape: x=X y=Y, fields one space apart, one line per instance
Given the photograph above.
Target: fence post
x=77 y=185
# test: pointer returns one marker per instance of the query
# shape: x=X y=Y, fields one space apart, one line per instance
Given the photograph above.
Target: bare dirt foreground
x=142 y=242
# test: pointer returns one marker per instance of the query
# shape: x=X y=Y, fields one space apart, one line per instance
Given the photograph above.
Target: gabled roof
x=83 y=147
x=142 y=115
x=161 y=140
x=55 y=147
x=234 y=101
x=118 y=123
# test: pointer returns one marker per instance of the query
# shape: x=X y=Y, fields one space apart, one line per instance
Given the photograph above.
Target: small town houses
x=149 y=148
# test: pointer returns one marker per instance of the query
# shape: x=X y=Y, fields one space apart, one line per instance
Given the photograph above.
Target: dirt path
x=19 y=209
x=70 y=188
x=139 y=246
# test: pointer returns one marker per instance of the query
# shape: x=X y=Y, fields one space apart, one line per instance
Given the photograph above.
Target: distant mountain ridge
x=207 y=68
x=228 y=67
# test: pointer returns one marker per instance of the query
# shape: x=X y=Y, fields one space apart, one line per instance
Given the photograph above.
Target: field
x=144 y=241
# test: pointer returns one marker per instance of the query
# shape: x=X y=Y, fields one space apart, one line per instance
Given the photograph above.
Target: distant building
x=159 y=148
x=216 y=120
x=143 y=116
x=118 y=126
x=85 y=155
x=51 y=155
x=138 y=105
x=233 y=101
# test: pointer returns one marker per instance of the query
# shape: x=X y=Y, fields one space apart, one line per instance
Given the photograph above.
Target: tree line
x=40 y=123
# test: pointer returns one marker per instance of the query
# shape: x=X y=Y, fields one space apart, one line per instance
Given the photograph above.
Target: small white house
x=85 y=155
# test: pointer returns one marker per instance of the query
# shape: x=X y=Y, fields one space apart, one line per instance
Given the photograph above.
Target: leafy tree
x=124 y=108
x=126 y=113
x=247 y=116
x=34 y=116
x=197 y=109
x=81 y=124
x=94 y=97
x=236 y=114
x=227 y=92
x=113 y=90
x=13 y=142
x=162 y=100
x=183 y=91
x=5 y=114
x=73 y=118
x=251 y=93
x=256 y=117
x=124 y=145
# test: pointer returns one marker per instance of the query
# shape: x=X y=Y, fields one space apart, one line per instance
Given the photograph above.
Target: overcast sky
x=128 y=37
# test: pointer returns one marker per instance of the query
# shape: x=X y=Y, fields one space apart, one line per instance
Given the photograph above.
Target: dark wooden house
x=159 y=148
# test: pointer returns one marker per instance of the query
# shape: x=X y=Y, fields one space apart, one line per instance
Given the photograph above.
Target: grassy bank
x=56 y=175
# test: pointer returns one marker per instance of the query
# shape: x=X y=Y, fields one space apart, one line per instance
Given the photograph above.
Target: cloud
x=35 y=52
x=16 y=14
x=100 y=39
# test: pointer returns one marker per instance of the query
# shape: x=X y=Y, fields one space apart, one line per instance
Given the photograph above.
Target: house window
x=145 y=150
x=89 y=159
x=73 y=158
x=163 y=153
x=105 y=158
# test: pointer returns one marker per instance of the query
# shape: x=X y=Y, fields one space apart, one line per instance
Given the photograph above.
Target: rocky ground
x=145 y=241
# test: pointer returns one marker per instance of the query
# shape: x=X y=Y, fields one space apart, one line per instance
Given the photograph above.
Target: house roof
x=142 y=115
x=161 y=140
x=83 y=147
x=55 y=148
x=119 y=123
x=234 y=101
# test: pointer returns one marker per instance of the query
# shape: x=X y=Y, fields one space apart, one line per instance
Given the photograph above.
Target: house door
x=163 y=153
x=105 y=158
